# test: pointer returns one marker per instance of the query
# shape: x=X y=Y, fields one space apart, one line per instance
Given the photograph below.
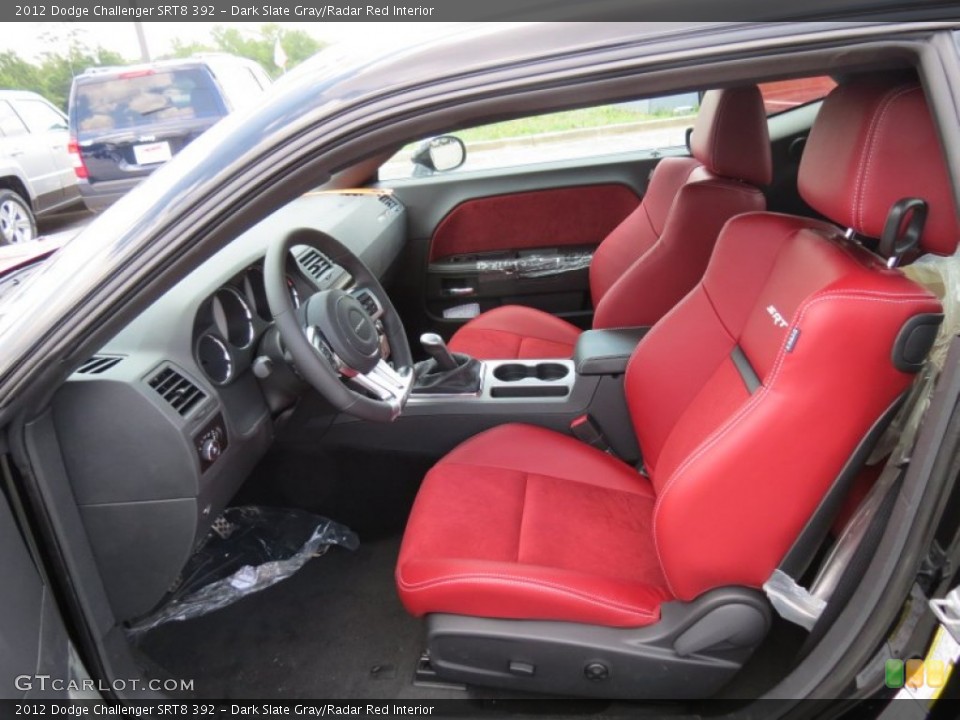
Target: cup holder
x=547 y=372
x=551 y=371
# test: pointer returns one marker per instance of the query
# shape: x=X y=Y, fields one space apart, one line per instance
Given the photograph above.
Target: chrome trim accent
x=319 y=342
x=426 y=398
x=294 y=293
x=226 y=354
x=488 y=381
x=386 y=384
x=247 y=311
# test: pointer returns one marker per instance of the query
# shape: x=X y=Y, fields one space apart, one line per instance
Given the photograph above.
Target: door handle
x=460 y=291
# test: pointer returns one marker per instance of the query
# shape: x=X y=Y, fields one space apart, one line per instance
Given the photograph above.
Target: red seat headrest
x=874 y=143
x=730 y=135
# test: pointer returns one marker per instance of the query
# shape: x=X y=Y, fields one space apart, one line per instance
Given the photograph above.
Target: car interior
x=579 y=412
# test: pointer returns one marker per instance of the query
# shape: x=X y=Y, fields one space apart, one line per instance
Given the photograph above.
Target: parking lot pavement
x=64 y=226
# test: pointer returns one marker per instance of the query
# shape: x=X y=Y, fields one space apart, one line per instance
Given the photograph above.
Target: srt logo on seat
x=778 y=319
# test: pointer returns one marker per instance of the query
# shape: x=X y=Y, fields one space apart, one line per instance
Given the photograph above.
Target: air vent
x=315 y=264
x=98 y=364
x=390 y=201
x=180 y=393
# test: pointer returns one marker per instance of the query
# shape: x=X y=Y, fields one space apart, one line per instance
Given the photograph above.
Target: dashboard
x=229 y=324
x=160 y=427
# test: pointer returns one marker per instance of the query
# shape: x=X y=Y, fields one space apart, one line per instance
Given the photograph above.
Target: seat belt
x=804 y=607
x=941 y=275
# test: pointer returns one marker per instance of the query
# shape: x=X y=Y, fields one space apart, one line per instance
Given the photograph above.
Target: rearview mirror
x=439 y=154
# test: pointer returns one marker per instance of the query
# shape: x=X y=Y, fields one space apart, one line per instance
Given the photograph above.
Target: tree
x=54 y=74
x=297 y=44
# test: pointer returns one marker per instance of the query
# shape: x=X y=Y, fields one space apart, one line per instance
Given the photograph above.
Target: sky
x=30 y=40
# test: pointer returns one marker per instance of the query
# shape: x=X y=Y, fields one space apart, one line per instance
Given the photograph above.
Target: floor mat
x=334 y=630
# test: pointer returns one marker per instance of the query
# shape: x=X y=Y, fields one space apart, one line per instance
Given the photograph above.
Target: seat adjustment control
x=518 y=667
x=596 y=671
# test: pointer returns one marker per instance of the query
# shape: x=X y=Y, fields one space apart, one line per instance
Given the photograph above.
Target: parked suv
x=127 y=121
x=36 y=172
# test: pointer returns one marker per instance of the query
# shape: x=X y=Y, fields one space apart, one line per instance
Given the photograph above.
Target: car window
x=144 y=97
x=783 y=95
x=10 y=123
x=638 y=125
x=39 y=116
x=239 y=83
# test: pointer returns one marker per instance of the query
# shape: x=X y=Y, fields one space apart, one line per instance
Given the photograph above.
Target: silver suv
x=36 y=171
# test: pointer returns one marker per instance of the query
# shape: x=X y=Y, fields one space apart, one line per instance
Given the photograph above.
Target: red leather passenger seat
x=659 y=252
x=747 y=399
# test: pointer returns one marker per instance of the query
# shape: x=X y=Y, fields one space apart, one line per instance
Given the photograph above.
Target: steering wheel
x=337 y=335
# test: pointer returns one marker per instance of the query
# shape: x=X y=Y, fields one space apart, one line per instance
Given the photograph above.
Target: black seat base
x=693 y=651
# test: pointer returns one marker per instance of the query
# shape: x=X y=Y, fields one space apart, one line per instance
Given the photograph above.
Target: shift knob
x=437 y=349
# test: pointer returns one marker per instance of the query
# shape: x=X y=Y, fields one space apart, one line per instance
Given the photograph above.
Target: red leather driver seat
x=659 y=252
x=747 y=399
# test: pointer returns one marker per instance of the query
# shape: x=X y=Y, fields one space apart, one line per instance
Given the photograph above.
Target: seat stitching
x=646 y=214
x=718 y=184
x=873 y=146
x=869 y=146
x=715 y=140
x=646 y=494
x=520 y=580
x=523 y=512
x=517 y=335
x=676 y=195
x=466 y=329
x=719 y=433
x=866 y=296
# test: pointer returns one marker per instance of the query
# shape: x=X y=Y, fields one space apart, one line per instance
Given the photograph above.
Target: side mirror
x=439 y=154
x=688 y=136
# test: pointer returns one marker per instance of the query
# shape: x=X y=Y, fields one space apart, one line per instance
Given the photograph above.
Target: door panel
x=32 y=636
x=552 y=218
x=511 y=236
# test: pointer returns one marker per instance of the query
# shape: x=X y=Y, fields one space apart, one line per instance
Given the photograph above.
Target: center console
x=551 y=393
x=528 y=378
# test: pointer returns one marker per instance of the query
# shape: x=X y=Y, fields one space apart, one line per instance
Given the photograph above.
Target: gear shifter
x=437 y=349
x=446 y=373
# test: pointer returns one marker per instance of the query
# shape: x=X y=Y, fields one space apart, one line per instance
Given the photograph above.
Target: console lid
x=606 y=352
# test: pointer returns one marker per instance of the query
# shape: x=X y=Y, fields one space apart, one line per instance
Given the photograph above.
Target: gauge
x=257 y=292
x=256 y=289
x=232 y=317
x=214 y=357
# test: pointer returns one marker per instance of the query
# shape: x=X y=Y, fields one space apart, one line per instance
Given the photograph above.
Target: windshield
x=130 y=100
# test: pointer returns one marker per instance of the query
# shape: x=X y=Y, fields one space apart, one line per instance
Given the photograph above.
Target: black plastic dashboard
x=159 y=429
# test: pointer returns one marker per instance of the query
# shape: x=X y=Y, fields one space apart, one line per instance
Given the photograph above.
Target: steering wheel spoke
x=371 y=302
x=385 y=383
x=320 y=344
x=340 y=340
